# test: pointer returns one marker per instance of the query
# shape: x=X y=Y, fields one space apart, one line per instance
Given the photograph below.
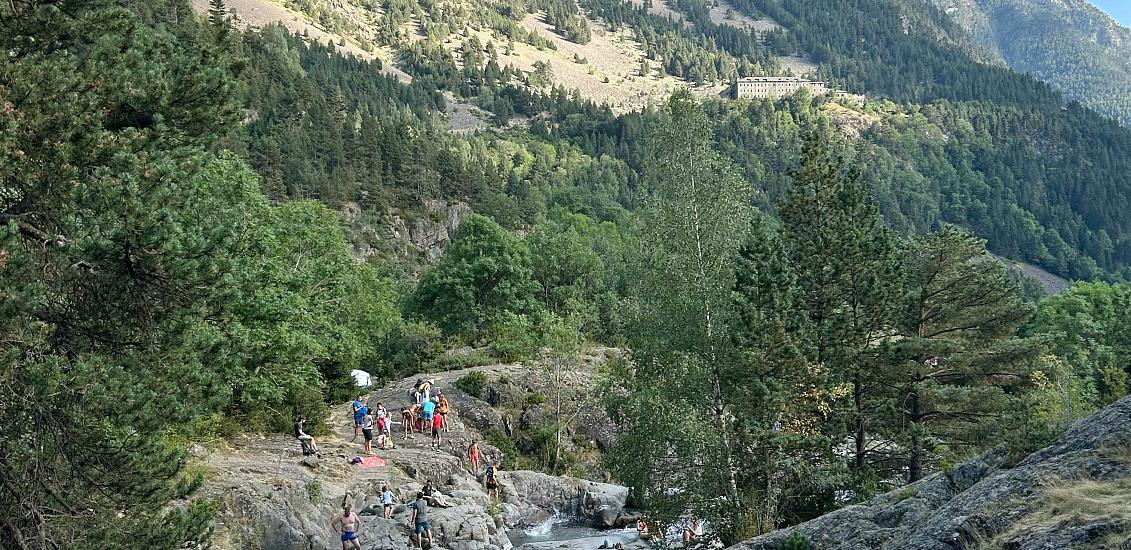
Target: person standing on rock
x=359 y=410
x=367 y=430
x=387 y=501
x=350 y=525
x=473 y=456
x=491 y=479
x=437 y=425
x=443 y=408
x=426 y=412
x=420 y=520
x=406 y=419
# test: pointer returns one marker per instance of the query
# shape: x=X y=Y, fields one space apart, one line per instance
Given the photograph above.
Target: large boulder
x=602 y=503
x=982 y=501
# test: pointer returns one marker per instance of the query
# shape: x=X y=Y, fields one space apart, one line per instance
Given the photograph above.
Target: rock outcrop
x=1026 y=507
x=271 y=497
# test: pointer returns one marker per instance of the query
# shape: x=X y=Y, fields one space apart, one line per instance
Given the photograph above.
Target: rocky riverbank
x=272 y=497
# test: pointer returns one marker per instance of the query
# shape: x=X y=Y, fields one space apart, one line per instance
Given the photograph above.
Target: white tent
x=361 y=377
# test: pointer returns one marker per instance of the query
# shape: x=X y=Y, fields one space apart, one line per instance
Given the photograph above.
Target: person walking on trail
x=359 y=410
x=491 y=479
x=307 y=440
x=473 y=456
x=350 y=525
x=387 y=501
x=419 y=520
x=437 y=425
x=367 y=430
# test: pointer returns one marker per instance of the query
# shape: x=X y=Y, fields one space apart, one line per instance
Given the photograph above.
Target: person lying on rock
x=419 y=520
x=350 y=525
x=433 y=496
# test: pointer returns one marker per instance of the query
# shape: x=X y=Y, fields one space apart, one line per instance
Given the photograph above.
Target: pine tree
x=956 y=360
x=845 y=263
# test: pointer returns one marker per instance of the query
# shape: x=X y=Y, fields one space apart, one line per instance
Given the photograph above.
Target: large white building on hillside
x=775 y=86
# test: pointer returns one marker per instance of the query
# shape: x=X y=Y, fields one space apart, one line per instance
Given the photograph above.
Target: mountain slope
x=1070 y=44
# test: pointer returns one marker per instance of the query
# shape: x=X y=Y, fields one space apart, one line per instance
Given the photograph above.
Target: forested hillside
x=805 y=277
x=1071 y=45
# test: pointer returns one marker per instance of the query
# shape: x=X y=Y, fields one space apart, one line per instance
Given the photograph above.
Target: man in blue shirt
x=359 y=410
x=426 y=413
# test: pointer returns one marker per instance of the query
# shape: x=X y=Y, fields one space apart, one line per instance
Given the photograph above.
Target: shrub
x=413 y=346
x=796 y=541
x=472 y=383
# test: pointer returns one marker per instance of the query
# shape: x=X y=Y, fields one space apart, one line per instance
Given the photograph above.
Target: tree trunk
x=858 y=402
x=915 y=463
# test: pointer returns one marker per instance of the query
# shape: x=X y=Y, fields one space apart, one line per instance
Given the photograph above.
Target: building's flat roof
x=778 y=79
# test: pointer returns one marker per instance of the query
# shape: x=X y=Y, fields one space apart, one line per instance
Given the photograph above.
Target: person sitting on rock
x=693 y=529
x=419 y=520
x=491 y=479
x=642 y=529
x=350 y=526
x=387 y=502
x=433 y=496
x=307 y=441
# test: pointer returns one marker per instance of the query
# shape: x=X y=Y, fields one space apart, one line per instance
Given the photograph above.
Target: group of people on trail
x=367 y=421
x=427 y=411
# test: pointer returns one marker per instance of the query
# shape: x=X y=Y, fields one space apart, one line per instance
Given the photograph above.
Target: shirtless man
x=349 y=525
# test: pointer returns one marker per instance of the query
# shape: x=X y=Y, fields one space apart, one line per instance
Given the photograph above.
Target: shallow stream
x=561 y=532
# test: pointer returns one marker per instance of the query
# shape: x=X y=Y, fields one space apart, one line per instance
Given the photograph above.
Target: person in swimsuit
x=406 y=419
x=473 y=456
x=350 y=525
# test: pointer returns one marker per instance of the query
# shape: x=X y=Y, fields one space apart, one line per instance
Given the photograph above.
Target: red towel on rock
x=371 y=461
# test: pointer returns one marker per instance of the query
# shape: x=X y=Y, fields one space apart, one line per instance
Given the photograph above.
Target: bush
x=796 y=541
x=472 y=383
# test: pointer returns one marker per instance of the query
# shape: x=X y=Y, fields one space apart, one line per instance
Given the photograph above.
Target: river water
x=561 y=532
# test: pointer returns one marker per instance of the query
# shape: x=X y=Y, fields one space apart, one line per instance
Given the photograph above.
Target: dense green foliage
x=172 y=267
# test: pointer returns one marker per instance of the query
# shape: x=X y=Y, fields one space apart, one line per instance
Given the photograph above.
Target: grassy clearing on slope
x=1076 y=502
